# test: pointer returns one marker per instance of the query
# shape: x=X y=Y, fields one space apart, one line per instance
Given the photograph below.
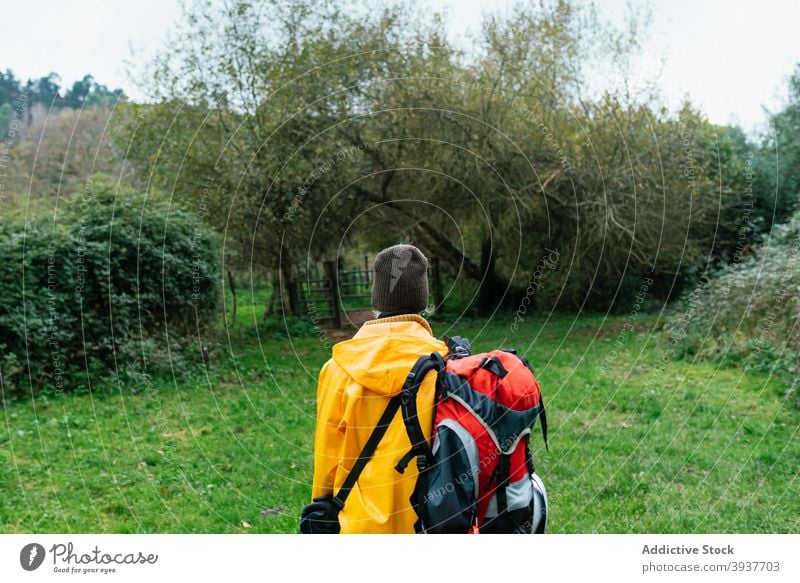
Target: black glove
x=320 y=517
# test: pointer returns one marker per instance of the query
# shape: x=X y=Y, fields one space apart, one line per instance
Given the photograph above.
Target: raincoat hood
x=383 y=351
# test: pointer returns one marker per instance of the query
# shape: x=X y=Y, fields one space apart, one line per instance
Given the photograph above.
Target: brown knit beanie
x=401 y=280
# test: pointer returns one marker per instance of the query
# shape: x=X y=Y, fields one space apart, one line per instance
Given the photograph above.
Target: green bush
x=116 y=282
x=748 y=312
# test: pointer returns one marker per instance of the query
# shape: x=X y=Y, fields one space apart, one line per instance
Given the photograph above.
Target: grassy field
x=639 y=441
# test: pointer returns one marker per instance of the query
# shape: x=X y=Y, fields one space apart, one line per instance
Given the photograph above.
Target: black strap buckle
x=405 y=460
x=459 y=347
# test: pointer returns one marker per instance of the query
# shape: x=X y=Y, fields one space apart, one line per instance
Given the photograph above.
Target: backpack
x=478 y=474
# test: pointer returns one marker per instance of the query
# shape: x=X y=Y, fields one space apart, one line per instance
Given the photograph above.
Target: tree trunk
x=288 y=303
x=270 y=307
x=492 y=288
x=233 y=296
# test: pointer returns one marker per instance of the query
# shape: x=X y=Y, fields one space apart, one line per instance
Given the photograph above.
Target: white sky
x=731 y=57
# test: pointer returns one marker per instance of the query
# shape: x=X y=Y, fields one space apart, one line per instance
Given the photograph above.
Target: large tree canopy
x=305 y=129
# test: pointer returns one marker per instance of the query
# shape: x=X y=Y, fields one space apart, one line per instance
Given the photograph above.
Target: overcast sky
x=731 y=57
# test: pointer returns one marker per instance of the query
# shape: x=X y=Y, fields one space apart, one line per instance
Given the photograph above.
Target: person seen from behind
x=355 y=387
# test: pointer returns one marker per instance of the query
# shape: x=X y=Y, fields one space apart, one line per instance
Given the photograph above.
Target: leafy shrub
x=749 y=312
x=114 y=279
x=293 y=327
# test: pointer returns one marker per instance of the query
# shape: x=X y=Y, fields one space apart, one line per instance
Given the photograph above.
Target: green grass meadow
x=639 y=441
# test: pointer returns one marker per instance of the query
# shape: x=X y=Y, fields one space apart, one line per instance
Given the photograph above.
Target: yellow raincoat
x=354 y=389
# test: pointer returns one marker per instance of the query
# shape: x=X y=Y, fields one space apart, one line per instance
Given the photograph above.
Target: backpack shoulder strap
x=366 y=453
x=419 y=445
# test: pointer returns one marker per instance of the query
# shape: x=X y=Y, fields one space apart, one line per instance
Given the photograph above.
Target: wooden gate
x=327 y=295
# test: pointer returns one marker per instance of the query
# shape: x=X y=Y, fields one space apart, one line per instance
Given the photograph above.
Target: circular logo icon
x=31 y=556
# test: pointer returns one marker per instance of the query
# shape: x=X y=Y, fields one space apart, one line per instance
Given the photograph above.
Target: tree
x=46 y=89
x=777 y=176
x=78 y=93
x=242 y=119
x=90 y=93
x=9 y=87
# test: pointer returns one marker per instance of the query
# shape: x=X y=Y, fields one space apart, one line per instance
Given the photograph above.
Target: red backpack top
x=478 y=475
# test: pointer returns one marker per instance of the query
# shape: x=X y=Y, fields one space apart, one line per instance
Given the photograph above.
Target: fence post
x=438 y=300
x=332 y=284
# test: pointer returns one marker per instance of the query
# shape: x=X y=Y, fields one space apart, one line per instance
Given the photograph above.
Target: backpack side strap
x=369 y=449
x=542 y=413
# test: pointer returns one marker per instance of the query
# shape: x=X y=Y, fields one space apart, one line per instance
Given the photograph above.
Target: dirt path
x=351 y=322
